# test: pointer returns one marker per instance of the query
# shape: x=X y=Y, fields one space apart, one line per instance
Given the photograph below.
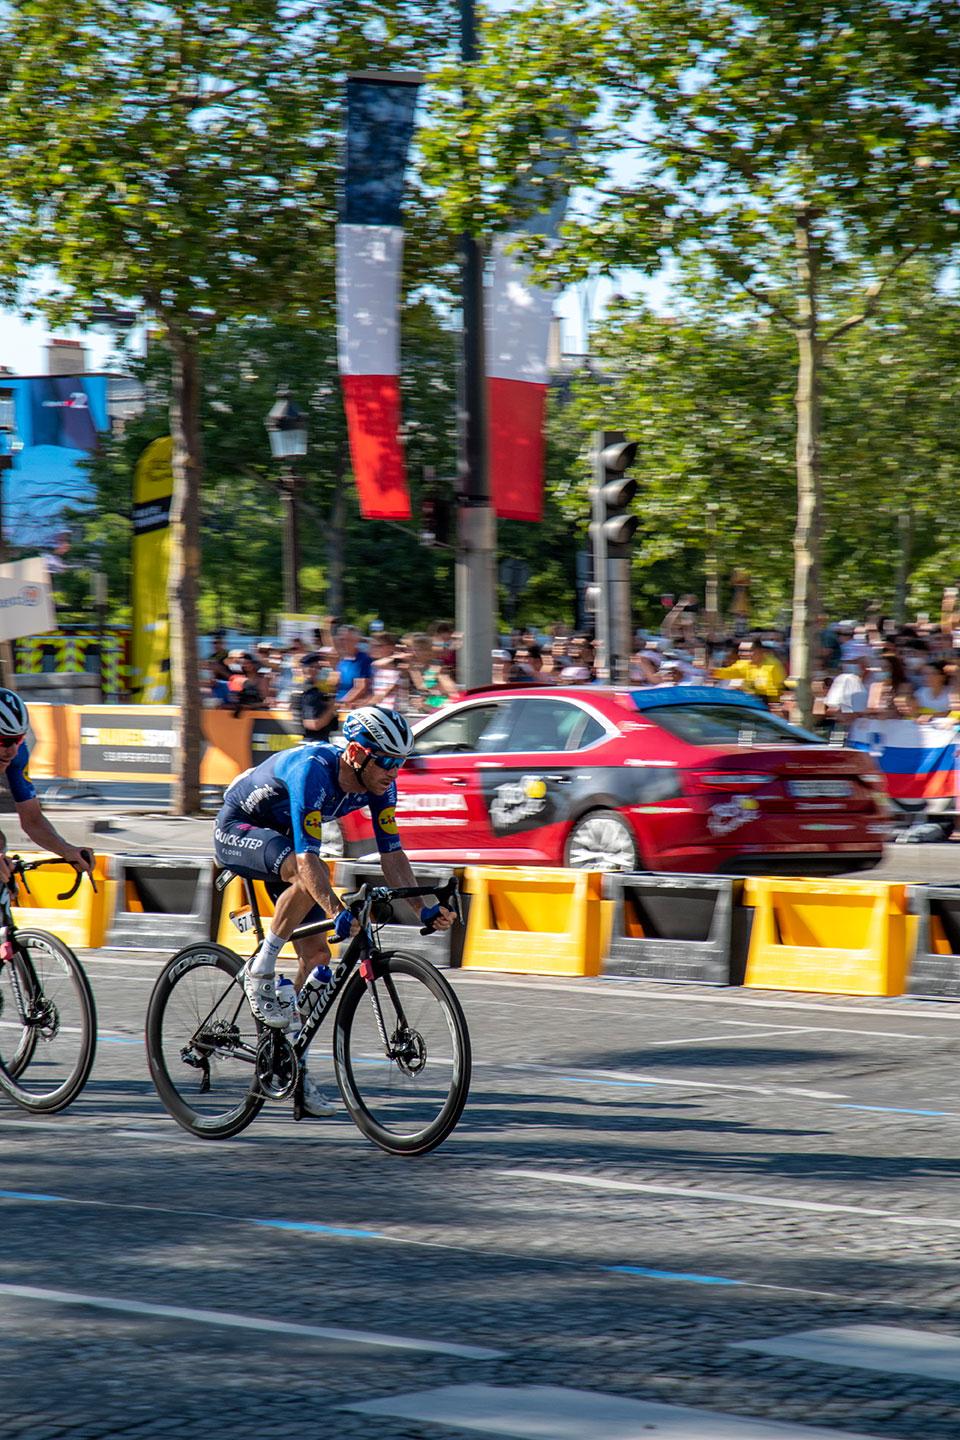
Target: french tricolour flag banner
x=380 y=116
x=518 y=332
x=518 y=336
x=920 y=761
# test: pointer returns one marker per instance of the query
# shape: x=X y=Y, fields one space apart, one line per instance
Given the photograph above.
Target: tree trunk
x=904 y=558
x=336 y=538
x=804 y=635
x=184 y=581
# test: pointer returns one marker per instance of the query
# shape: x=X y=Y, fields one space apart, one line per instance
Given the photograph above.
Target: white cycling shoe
x=314 y=1100
x=266 y=1004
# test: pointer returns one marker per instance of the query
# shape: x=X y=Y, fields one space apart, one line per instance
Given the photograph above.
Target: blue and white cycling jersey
x=296 y=790
x=21 y=786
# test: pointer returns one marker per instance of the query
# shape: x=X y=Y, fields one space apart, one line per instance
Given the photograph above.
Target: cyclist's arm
x=398 y=872
x=37 y=828
x=315 y=874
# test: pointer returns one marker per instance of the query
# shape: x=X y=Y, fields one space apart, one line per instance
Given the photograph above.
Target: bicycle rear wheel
x=202 y=1043
x=406 y=1096
x=48 y=1023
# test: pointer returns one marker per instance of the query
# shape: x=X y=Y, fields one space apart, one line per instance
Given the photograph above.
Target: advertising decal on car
x=522 y=800
x=731 y=814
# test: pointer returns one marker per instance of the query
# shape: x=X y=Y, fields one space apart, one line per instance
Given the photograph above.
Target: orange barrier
x=80 y=921
x=837 y=937
x=136 y=742
x=534 y=921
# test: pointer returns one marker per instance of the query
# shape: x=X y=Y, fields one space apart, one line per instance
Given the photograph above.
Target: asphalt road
x=646 y=1180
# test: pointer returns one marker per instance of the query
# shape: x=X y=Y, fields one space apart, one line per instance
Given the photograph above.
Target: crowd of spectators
x=871 y=666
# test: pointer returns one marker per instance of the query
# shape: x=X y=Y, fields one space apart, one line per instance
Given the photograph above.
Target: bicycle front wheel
x=202 y=1043
x=48 y=1023
x=406 y=1095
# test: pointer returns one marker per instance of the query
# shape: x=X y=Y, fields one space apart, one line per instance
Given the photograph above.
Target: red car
x=686 y=778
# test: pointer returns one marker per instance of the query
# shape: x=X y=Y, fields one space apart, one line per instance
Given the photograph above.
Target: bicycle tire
x=199 y=1026
x=410 y=1105
x=51 y=1062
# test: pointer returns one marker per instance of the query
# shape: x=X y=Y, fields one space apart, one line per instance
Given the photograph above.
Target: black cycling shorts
x=257 y=855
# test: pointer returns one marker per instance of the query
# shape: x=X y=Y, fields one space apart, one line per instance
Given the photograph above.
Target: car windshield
x=701 y=723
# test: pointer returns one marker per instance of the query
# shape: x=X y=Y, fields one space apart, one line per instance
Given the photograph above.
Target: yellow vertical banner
x=150 y=641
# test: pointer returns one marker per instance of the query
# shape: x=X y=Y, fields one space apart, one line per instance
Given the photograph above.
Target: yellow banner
x=150 y=641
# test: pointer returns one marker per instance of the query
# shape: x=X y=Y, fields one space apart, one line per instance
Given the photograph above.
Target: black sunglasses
x=387 y=762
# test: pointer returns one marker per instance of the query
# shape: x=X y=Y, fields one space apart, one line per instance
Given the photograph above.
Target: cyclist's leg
x=260 y=854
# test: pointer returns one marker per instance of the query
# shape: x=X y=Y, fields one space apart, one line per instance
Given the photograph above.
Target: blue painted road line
x=29 y=1195
x=617 y=1084
x=893 y=1110
x=321 y=1229
x=670 y=1275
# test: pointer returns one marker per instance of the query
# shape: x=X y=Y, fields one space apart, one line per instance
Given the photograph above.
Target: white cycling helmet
x=14 y=719
x=379 y=730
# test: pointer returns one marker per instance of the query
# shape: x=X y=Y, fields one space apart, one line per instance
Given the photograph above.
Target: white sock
x=265 y=960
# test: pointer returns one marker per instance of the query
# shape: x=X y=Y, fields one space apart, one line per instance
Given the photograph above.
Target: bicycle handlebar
x=367 y=894
x=20 y=867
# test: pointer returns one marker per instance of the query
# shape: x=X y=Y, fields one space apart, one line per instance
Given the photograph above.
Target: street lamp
x=287 y=431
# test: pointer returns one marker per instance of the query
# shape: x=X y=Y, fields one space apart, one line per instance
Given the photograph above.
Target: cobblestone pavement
x=780 y=1163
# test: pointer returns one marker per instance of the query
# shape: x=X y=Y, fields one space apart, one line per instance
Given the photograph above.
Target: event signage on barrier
x=121 y=742
x=272 y=732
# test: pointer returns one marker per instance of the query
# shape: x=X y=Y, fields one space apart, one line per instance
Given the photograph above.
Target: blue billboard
x=58 y=420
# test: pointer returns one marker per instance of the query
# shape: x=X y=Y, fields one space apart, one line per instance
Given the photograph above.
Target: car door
x=528 y=783
x=439 y=809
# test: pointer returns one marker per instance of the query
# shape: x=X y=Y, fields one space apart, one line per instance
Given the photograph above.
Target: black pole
x=476 y=527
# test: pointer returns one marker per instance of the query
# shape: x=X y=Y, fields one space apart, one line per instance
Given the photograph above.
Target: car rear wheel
x=601 y=840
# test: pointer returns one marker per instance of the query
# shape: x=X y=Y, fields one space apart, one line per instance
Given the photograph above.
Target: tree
x=182 y=161
x=791 y=158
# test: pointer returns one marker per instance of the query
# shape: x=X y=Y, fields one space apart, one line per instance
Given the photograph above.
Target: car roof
x=649 y=699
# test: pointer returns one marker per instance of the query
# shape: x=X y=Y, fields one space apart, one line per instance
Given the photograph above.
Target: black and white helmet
x=380 y=730
x=14 y=719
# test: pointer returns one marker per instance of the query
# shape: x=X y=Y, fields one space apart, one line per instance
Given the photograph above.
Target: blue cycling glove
x=428 y=914
x=342 y=925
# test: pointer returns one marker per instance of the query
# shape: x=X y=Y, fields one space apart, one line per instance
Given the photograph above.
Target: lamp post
x=287 y=430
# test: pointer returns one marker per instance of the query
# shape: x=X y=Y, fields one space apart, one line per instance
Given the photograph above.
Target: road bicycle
x=400 y=1046
x=48 y=1019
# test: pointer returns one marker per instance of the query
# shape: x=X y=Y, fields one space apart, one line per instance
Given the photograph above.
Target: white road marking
x=768 y=1033
x=905 y=1008
x=732 y=1197
x=692 y=1082
x=262 y=1324
x=547 y=1412
x=845 y=1030
x=888 y=1348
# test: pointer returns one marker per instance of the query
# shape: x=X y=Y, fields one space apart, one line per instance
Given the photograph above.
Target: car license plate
x=820 y=789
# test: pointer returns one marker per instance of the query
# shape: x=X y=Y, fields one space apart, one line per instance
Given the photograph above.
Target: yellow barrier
x=839 y=937
x=243 y=942
x=81 y=921
x=545 y=922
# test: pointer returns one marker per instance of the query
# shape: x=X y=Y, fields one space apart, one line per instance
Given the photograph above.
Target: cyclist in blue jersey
x=14 y=723
x=270 y=828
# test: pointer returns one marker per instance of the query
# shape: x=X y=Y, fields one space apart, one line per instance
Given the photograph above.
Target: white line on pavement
x=770 y=1032
x=692 y=1082
x=904 y=1008
x=888 y=1348
x=547 y=1412
x=845 y=1030
x=730 y=1197
x=264 y=1325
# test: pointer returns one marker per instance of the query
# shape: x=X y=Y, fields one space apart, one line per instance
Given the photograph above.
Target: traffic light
x=611 y=533
x=612 y=521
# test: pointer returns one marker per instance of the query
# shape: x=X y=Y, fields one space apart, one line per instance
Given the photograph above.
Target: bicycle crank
x=277 y=1065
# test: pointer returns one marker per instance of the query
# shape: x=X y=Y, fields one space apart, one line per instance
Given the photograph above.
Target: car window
x=591 y=733
x=543 y=724
x=706 y=724
x=458 y=732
